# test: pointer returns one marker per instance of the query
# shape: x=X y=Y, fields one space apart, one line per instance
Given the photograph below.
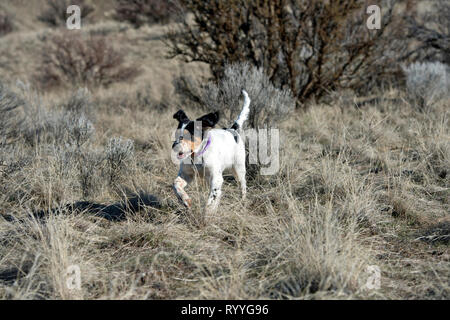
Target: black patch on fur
x=235 y=126
x=214 y=194
x=189 y=128
x=209 y=120
x=234 y=133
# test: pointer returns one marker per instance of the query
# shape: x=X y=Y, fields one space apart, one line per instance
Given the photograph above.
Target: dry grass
x=356 y=188
x=364 y=181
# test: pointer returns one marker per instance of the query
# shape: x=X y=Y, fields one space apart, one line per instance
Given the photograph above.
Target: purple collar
x=206 y=147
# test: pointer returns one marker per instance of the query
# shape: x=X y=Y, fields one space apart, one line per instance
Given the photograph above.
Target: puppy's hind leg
x=216 y=191
x=239 y=174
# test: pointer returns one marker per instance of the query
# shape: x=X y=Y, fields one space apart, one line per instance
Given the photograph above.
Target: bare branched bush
x=6 y=25
x=433 y=33
x=310 y=46
x=141 y=12
x=118 y=153
x=73 y=58
x=427 y=83
x=56 y=15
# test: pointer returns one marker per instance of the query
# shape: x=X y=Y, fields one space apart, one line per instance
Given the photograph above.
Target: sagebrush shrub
x=140 y=12
x=61 y=126
x=60 y=136
x=73 y=58
x=79 y=129
x=6 y=25
x=55 y=14
x=269 y=105
x=78 y=164
x=79 y=102
x=426 y=83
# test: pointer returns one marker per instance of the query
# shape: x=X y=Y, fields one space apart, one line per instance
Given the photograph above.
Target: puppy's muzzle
x=177 y=148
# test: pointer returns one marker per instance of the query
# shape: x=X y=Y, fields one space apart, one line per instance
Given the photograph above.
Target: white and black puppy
x=208 y=151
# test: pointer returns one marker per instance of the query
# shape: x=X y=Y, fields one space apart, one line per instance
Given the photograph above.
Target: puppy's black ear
x=210 y=119
x=181 y=116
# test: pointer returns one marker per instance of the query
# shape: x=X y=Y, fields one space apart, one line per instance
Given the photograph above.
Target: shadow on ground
x=113 y=212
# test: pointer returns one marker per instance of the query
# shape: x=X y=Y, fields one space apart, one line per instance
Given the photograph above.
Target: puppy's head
x=189 y=134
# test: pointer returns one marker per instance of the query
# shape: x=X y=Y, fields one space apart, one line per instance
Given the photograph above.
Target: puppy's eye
x=181 y=138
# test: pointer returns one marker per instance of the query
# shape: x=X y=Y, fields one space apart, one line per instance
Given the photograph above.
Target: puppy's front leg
x=216 y=191
x=178 y=185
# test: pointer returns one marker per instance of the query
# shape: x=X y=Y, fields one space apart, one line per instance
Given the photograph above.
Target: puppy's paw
x=187 y=203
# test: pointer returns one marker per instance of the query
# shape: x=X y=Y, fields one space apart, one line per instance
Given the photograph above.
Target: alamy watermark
x=258 y=144
x=374 y=20
x=74 y=20
x=73 y=277
x=374 y=280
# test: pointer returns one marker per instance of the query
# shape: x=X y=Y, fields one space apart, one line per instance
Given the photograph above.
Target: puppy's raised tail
x=244 y=113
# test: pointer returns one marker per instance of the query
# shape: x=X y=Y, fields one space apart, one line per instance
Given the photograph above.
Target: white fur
x=223 y=153
x=245 y=110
